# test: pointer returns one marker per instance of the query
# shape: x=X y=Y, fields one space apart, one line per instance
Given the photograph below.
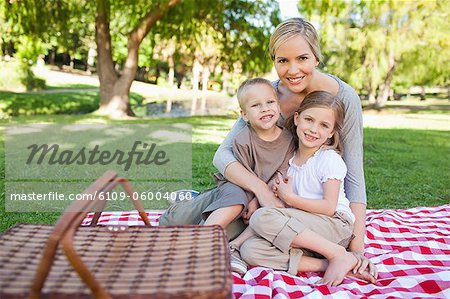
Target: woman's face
x=295 y=64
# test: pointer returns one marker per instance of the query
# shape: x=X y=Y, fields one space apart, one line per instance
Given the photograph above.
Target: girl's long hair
x=322 y=99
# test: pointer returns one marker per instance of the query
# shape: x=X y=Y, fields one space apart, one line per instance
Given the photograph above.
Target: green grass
x=208 y=133
x=41 y=103
x=404 y=168
x=71 y=86
x=14 y=104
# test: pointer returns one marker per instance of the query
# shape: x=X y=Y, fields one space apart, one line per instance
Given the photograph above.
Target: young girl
x=319 y=220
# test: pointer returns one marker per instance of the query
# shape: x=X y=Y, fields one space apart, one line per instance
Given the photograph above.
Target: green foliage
x=34 y=27
x=363 y=41
x=18 y=76
x=30 y=81
x=11 y=75
x=239 y=30
x=28 y=49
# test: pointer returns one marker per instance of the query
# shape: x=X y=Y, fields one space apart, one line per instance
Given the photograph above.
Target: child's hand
x=253 y=205
x=365 y=266
x=284 y=189
x=266 y=198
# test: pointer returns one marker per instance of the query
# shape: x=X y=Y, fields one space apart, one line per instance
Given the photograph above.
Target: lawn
x=403 y=167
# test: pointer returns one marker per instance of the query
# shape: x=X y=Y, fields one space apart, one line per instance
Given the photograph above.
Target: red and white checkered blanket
x=411 y=249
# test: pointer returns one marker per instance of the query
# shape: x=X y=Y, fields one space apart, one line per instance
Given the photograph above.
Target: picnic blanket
x=411 y=249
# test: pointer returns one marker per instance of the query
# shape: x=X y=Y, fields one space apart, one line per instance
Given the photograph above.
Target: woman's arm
x=359 y=230
x=225 y=161
x=224 y=155
x=354 y=183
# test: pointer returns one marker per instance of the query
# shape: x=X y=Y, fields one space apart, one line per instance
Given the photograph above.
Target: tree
x=371 y=44
x=115 y=89
x=121 y=26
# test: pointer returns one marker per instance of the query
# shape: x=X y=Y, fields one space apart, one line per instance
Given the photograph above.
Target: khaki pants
x=276 y=229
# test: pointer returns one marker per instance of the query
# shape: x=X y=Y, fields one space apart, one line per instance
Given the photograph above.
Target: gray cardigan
x=354 y=183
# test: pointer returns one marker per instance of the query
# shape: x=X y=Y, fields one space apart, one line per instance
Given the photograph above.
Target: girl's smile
x=314 y=127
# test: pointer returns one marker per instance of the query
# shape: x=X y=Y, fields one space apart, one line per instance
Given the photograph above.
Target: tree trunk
x=385 y=88
x=205 y=78
x=371 y=96
x=195 y=80
x=115 y=90
x=422 y=93
x=171 y=70
x=52 y=56
x=225 y=81
x=170 y=81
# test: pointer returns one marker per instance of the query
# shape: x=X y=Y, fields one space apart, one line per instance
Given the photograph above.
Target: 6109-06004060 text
x=94 y=156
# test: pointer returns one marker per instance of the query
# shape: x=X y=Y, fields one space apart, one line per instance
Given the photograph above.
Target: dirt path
x=409 y=121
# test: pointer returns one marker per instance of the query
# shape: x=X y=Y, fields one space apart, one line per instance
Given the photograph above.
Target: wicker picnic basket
x=41 y=261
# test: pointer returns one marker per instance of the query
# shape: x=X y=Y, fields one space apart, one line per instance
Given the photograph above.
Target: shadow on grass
x=42 y=103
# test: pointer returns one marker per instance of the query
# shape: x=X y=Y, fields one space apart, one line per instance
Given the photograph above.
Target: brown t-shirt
x=260 y=157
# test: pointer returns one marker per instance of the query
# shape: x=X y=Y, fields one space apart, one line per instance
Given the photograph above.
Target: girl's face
x=295 y=64
x=314 y=127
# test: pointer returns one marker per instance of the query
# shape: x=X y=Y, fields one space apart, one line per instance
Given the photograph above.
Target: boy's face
x=261 y=107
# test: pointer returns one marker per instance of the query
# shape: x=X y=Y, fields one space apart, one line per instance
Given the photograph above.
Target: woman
x=295 y=51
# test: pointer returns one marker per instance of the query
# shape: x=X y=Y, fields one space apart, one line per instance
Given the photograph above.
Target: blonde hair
x=322 y=99
x=243 y=88
x=293 y=27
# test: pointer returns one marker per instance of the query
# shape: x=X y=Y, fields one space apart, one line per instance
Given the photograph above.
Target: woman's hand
x=365 y=265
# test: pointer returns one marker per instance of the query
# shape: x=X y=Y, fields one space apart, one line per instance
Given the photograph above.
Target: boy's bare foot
x=338 y=267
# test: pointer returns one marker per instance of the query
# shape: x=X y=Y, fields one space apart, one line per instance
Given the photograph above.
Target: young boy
x=262 y=147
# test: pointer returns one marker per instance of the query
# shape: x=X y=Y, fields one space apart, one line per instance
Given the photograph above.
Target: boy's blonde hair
x=243 y=88
x=322 y=99
x=293 y=27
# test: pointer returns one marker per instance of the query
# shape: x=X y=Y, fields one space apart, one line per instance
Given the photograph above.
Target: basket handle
x=67 y=225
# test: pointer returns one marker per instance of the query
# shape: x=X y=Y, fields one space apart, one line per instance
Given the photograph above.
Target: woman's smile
x=295 y=63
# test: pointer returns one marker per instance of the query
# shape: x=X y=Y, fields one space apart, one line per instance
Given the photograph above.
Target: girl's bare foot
x=338 y=267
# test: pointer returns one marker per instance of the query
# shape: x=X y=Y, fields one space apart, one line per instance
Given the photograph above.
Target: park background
x=166 y=62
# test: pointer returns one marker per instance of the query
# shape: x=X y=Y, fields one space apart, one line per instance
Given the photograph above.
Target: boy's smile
x=261 y=108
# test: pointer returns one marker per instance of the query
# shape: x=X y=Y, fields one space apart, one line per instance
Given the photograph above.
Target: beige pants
x=276 y=229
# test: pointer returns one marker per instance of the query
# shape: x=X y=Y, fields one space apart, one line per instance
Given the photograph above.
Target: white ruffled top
x=308 y=178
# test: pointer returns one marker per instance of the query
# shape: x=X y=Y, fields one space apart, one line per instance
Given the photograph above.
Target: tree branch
x=139 y=32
